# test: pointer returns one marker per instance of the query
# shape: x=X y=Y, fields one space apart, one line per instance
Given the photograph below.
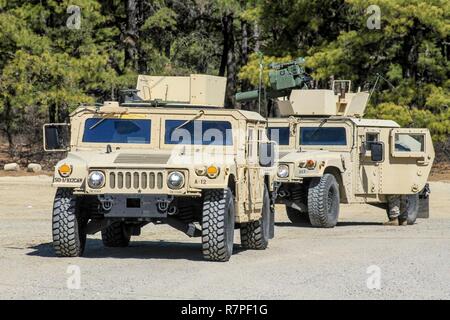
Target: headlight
x=96 y=179
x=283 y=171
x=175 y=180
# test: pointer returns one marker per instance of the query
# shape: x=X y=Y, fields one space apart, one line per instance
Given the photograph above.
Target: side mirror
x=267 y=154
x=377 y=151
x=56 y=137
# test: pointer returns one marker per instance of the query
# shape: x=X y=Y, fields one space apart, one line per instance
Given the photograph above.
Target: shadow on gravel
x=136 y=250
x=291 y=224
x=340 y=224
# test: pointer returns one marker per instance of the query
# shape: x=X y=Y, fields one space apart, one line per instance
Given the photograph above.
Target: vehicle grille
x=142 y=180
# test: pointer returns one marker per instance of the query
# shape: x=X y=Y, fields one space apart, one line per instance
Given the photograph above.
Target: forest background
x=56 y=55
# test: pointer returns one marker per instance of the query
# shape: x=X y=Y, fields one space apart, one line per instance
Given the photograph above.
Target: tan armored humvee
x=169 y=154
x=330 y=155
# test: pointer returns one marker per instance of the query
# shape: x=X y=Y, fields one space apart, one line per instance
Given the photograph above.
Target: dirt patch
x=23 y=155
x=24 y=173
x=440 y=172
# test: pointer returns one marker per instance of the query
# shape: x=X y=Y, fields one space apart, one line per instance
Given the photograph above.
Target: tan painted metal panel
x=313 y=102
x=195 y=90
x=164 y=88
x=208 y=91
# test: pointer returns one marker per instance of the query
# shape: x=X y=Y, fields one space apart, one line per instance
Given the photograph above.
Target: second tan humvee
x=172 y=154
x=330 y=155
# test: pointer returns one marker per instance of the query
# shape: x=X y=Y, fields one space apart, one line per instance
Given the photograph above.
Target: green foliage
x=47 y=69
x=410 y=51
x=250 y=71
x=391 y=111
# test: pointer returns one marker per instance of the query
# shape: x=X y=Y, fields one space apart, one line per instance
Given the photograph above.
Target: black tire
x=115 y=235
x=256 y=234
x=323 y=201
x=69 y=232
x=218 y=225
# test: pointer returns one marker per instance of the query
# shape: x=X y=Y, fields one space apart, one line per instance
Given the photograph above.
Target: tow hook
x=106 y=202
x=164 y=204
x=283 y=193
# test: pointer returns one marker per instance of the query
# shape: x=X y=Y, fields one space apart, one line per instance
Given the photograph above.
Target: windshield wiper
x=318 y=128
x=97 y=123
x=198 y=115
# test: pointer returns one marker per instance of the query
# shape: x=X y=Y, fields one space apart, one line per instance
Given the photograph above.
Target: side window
x=252 y=144
x=261 y=136
x=250 y=138
x=371 y=137
x=406 y=142
x=279 y=134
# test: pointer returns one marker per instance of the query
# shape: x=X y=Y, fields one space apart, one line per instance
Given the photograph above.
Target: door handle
x=422 y=162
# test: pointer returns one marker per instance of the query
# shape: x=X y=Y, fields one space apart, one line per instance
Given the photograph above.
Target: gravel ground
x=301 y=263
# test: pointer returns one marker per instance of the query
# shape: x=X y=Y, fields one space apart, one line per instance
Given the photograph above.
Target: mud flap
x=424 y=203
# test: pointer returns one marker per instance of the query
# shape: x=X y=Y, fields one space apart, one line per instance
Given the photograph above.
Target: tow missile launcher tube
x=247 y=96
x=283 y=78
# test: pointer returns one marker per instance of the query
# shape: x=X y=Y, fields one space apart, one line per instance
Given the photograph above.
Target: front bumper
x=136 y=206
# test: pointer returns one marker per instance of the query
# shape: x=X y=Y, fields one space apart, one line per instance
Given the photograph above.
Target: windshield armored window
x=324 y=136
x=279 y=134
x=104 y=130
x=198 y=132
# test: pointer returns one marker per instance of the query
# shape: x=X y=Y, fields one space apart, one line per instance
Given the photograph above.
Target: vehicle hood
x=137 y=159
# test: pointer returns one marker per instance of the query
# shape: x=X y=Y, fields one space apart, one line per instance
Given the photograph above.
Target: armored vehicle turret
x=170 y=153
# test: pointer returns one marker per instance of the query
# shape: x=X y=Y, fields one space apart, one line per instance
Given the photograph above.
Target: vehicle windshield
x=106 y=130
x=279 y=134
x=198 y=132
x=325 y=136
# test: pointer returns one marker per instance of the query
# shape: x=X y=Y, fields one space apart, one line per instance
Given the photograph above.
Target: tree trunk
x=225 y=47
x=7 y=128
x=131 y=36
x=244 y=44
x=52 y=113
x=230 y=62
x=256 y=37
x=143 y=59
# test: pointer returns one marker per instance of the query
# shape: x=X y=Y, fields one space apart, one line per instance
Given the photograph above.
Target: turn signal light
x=65 y=170
x=212 y=171
x=310 y=164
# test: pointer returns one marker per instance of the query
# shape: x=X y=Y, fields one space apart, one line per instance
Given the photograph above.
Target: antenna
x=261 y=66
x=376 y=82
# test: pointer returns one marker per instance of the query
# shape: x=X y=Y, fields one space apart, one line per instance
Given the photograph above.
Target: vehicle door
x=411 y=155
x=253 y=174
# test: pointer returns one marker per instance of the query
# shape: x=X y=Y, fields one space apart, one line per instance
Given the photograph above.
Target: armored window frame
x=369 y=141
